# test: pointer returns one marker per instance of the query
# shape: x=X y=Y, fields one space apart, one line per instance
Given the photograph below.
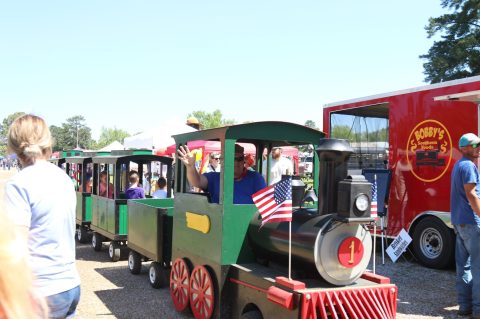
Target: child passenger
x=134 y=191
x=161 y=191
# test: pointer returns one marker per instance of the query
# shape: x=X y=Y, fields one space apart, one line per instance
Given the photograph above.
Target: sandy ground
x=109 y=290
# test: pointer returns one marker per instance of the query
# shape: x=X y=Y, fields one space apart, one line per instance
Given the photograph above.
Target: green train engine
x=224 y=265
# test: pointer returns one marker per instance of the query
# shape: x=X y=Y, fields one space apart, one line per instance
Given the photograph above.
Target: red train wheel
x=202 y=293
x=179 y=284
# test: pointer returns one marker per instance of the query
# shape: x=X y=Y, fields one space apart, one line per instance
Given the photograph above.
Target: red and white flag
x=275 y=202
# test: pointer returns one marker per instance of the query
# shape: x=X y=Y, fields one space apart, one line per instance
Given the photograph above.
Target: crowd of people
x=8 y=164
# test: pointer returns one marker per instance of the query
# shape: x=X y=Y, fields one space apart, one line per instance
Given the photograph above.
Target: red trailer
x=424 y=126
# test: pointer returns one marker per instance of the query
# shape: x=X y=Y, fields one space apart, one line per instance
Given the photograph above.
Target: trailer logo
x=429 y=150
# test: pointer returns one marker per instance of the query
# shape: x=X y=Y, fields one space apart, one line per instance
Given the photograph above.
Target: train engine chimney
x=333 y=155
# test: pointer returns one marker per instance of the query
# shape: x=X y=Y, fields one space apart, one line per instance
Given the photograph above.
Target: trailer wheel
x=202 y=293
x=179 y=284
x=134 y=262
x=97 y=241
x=83 y=235
x=158 y=275
x=114 y=251
x=434 y=243
x=254 y=314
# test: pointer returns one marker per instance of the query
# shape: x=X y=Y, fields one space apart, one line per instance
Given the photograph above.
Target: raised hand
x=186 y=156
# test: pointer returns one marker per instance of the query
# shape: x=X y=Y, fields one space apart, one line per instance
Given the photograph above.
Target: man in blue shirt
x=465 y=210
x=246 y=182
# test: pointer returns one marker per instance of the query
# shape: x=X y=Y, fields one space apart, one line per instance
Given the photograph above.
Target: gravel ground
x=109 y=290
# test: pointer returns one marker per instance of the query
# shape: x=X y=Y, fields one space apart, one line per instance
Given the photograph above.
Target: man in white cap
x=465 y=210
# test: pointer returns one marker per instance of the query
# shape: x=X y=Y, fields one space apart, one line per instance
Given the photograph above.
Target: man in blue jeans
x=465 y=209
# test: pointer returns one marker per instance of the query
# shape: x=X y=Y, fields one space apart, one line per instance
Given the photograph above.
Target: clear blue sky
x=137 y=64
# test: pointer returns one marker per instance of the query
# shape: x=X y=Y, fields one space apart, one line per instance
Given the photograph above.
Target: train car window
x=88 y=180
x=74 y=171
x=123 y=178
x=106 y=181
x=158 y=170
x=278 y=162
x=246 y=180
x=145 y=170
x=78 y=177
x=95 y=178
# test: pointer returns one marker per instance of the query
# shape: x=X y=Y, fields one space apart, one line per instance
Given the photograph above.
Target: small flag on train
x=275 y=202
x=374 y=208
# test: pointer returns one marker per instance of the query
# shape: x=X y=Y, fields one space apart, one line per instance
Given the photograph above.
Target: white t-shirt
x=161 y=193
x=278 y=168
x=42 y=198
x=210 y=168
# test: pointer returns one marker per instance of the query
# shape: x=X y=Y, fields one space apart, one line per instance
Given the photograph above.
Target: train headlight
x=361 y=202
x=353 y=200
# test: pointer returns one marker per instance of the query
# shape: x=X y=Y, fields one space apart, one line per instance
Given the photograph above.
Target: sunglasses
x=475 y=145
x=239 y=158
x=216 y=158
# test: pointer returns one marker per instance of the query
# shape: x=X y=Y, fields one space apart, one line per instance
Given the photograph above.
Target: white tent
x=115 y=145
x=159 y=137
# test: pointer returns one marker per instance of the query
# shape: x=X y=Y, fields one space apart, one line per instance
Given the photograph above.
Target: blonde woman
x=17 y=299
x=44 y=215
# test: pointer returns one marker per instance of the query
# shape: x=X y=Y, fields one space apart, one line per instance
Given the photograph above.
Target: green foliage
x=308 y=181
x=457 y=54
x=307 y=148
x=311 y=124
x=73 y=133
x=7 y=122
x=109 y=135
x=344 y=132
x=3 y=150
x=210 y=120
x=341 y=131
x=4 y=130
x=58 y=136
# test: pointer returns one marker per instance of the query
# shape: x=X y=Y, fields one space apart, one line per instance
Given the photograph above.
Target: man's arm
x=472 y=197
x=194 y=177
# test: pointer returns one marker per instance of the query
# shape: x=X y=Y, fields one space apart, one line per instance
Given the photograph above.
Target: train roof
x=80 y=157
x=126 y=157
x=280 y=133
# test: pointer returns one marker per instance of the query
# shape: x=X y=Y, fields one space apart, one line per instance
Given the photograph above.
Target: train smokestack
x=333 y=155
x=298 y=191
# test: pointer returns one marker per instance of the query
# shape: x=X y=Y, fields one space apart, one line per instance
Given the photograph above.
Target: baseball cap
x=469 y=139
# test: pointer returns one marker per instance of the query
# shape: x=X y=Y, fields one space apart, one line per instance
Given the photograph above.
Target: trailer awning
x=374 y=110
x=471 y=96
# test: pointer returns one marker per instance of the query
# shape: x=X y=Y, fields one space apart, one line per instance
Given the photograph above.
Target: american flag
x=275 y=202
x=374 y=209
